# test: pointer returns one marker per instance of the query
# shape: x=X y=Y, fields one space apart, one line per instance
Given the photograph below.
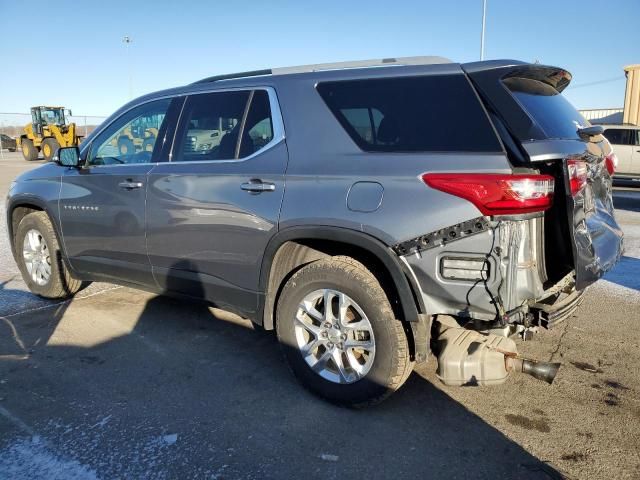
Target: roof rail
x=229 y=76
x=377 y=62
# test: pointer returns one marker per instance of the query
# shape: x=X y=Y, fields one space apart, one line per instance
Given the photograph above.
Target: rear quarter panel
x=325 y=163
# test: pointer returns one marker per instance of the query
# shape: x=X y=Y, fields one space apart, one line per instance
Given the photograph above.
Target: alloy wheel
x=334 y=336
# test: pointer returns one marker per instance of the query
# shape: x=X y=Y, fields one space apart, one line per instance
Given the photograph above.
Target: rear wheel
x=339 y=334
x=40 y=260
x=29 y=151
x=49 y=148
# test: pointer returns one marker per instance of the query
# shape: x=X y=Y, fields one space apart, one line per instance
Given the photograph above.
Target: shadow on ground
x=184 y=394
x=625 y=273
x=627 y=199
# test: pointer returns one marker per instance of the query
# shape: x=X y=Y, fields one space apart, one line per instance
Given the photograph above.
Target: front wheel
x=49 y=147
x=40 y=260
x=339 y=334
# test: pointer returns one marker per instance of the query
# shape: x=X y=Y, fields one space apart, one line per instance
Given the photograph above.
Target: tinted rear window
x=411 y=114
x=547 y=107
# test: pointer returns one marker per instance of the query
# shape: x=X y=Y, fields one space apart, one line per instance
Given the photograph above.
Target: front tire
x=29 y=151
x=339 y=334
x=40 y=260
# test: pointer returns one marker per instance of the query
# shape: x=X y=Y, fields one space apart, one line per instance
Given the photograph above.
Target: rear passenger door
x=212 y=210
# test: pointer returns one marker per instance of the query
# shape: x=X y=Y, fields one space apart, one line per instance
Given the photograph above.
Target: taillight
x=495 y=194
x=611 y=162
x=578 y=171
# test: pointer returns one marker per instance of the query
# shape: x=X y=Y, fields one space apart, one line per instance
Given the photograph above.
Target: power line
x=597 y=82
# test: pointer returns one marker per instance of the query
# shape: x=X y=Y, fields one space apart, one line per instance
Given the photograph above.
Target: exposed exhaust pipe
x=467 y=357
x=545 y=371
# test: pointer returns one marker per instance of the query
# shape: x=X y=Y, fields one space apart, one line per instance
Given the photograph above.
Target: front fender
x=38 y=189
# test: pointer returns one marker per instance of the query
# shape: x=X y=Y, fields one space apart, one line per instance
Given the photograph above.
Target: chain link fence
x=12 y=124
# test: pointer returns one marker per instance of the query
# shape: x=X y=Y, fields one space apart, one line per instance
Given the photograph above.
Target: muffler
x=467 y=357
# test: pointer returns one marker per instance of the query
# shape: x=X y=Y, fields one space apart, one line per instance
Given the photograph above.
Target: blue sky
x=71 y=53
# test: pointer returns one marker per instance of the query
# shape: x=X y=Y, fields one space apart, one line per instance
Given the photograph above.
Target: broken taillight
x=497 y=194
x=611 y=162
x=578 y=172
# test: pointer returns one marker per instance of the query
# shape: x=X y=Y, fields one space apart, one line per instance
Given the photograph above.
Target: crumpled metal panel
x=597 y=237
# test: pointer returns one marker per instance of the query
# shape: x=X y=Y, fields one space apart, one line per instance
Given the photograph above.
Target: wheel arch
x=19 y=208
x=292 y=248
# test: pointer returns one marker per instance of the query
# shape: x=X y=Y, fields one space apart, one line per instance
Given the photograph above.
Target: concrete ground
x=119 y=383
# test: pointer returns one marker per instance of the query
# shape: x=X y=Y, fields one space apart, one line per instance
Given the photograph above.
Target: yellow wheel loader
x=140 y=136
x=47 y=132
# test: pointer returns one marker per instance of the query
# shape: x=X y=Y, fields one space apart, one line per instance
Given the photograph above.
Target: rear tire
x=367 y=375
x=49 y=147
x=29 y=151
x=40 y=259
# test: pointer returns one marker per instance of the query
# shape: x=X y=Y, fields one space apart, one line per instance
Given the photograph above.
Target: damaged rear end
x=543 y=234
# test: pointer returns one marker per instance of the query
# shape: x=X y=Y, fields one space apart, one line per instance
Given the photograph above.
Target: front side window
x=437 y=113
x=132 y=138
x=619 y=136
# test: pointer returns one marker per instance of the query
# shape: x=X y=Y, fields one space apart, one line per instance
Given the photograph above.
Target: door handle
x=130 y=185
x=257 y=186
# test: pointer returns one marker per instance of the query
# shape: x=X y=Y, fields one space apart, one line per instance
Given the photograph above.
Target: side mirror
x=68 y=157
x=69 y=112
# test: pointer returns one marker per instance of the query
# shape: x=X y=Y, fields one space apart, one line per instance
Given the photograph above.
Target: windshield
x=52 y=116
x=548 y=108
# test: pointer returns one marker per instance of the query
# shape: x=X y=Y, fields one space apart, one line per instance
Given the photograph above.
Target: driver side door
x=102 y=203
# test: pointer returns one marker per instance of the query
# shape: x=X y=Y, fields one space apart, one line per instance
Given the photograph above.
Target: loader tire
x=29 y=151
x=49 y=147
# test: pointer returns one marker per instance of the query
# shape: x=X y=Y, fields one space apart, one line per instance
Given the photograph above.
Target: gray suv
x=372 y=213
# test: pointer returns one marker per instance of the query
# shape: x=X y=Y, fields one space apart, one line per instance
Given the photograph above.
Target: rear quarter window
x=439 y=113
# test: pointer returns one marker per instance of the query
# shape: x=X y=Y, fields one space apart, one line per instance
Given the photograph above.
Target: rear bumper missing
x=512 y=276
x=550 y=314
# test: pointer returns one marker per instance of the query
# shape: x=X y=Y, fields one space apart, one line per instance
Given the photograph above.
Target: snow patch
x=30 y=459
x=170 y=439
x=327 y=457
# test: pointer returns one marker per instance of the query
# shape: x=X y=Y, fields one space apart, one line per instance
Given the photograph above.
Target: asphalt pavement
x=119 y=383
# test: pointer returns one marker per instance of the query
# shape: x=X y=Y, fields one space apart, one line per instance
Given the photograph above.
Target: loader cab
x=48 y=116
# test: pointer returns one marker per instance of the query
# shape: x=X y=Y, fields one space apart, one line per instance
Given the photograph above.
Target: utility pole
x=127 y=40
x=484 y=18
